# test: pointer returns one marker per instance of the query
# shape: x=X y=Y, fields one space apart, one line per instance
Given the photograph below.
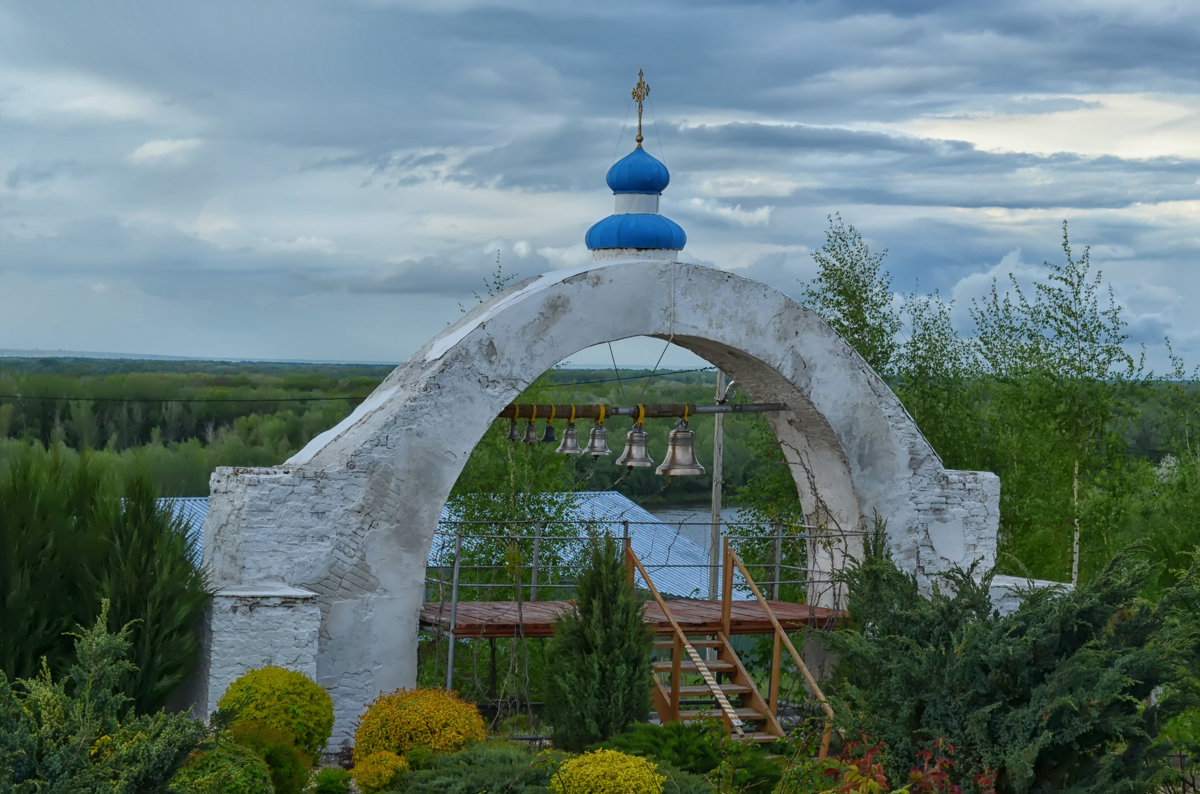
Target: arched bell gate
x=320 y=562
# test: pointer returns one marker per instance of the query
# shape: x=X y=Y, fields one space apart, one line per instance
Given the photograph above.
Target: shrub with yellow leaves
x=378 y=771
x=434 y=719
x=607 y=772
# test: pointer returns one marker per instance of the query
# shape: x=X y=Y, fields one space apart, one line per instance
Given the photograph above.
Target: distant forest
x=179 y=420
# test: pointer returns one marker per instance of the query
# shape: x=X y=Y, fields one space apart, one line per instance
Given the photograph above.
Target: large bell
x=635 y=454
x=597 y=442
x=531 y=434
x=514 y=432
x=570 y=441
x=681 y=453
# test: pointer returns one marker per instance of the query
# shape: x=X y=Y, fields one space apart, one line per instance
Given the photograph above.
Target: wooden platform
x=482 y=619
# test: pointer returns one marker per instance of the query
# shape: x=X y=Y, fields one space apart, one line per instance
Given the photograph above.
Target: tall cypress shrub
x=599 y=657
x=71 y=535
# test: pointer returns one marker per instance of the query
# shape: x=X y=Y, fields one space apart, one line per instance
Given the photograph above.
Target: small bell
x=514 y=432
x=681 y=453
x=635 y=454
x=570 y=441
x=531 y=433
x=548 y=437
x=597 y=442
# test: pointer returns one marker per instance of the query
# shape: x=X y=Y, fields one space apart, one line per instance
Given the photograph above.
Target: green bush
x=285 y=700
x=290 y=765
x=433 y=719
x=72 y=535
x=600 y=683
x=702 y=748
x=492 y=766
x=223 y=767
x=80 y=734
x=690 y=746
x=1053 y=697
x=331 y=780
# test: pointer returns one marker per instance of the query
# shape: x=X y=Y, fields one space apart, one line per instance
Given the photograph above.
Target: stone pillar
x=254 y=626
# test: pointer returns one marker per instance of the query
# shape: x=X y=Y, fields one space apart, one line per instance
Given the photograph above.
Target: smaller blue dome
x=636 y=230
x=638 y=172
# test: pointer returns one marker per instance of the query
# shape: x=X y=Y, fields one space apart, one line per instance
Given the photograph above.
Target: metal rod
x=453 y=613
x=659 y=411
x=718 y=471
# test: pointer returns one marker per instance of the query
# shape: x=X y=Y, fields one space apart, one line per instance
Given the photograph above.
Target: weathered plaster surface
x=253 y=626
x=350 y=518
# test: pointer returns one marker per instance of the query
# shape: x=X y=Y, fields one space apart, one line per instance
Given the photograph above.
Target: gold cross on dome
x=639 y=94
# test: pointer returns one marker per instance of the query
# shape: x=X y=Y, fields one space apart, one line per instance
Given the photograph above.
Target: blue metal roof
x=193 y=510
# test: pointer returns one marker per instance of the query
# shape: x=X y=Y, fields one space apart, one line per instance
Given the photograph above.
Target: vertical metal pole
x=714 y=535
x=453 y=610
x=726 y=586
x=778 y=561
x=537 y=550
x=627 y=545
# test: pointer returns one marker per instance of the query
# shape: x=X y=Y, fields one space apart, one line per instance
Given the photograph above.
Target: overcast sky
x=334 y=180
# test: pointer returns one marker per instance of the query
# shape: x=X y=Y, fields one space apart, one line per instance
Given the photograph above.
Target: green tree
x=71 y=535
x=853 y=293
x=600 y=682
x=1063 y=382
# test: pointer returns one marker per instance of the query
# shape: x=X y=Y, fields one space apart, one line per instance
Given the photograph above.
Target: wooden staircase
x=682 y=691
x=701 y=676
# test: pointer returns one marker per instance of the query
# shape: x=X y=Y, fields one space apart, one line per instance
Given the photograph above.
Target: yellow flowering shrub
x=607 y=772
x=430 y=718
x=378 y=771
x=285 y=700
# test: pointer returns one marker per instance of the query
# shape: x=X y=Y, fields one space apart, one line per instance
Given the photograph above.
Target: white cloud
x=733 y=214
x=1122 y=125
x=166 y=151
x=45 y=96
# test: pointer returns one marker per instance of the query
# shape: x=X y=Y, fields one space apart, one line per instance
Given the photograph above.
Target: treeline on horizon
x=178 y=420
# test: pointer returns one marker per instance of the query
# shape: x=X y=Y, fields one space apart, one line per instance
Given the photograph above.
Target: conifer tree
x=599 y=679
x=1054 y=697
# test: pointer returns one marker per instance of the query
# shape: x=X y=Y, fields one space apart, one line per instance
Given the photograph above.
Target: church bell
x=597 y=442
x=570 y=441
x=635 y=454
x=681 y=453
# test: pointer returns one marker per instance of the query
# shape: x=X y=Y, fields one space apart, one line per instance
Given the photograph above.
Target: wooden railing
x=730 y=560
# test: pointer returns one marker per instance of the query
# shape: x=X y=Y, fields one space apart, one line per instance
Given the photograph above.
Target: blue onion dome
x=641 y=230
x=638 y=172
x=635 y=228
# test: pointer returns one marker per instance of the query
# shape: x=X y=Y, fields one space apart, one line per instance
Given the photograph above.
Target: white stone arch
x=321 y=561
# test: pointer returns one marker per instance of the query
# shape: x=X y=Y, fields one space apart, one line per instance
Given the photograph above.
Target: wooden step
x=688 y=666
x=761 y=737
x=715 y=711
x=666 y=645
x=701 y=689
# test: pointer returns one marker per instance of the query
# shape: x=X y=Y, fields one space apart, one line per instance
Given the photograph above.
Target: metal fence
x=539 y=560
